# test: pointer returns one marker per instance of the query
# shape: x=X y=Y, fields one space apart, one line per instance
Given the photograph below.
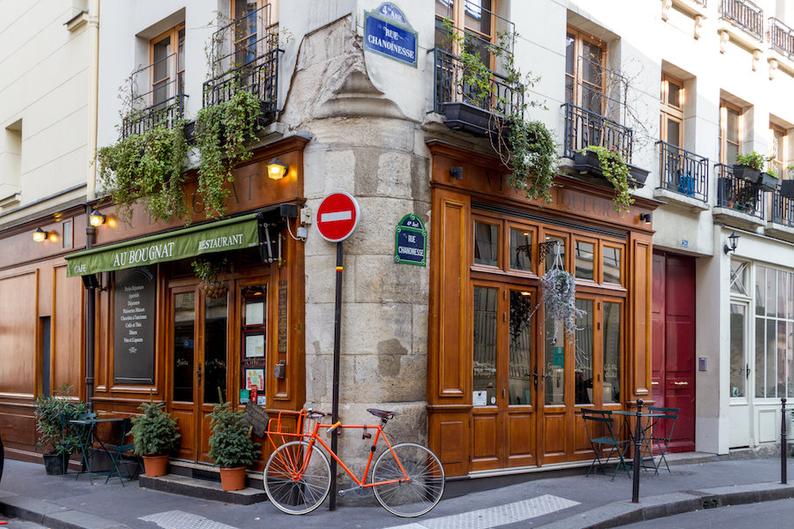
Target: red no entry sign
x=337 y=217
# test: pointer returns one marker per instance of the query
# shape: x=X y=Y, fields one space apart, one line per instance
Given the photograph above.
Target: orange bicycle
x=407 y=479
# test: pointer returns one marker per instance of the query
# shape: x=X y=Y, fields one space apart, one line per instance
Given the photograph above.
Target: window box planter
x=767 y=182
x=745 y=172
x=468 y=117
x=787 y=188
x=587 y=162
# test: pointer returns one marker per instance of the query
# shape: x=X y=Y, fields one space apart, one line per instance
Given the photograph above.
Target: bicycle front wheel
x=296 y=478
x=423 y=488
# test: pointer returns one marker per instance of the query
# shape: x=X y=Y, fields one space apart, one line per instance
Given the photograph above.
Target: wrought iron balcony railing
x=245 y=56
x=738 y=194
x=745 y=15
x=781 y=37
x=503 y=98
x=683 y=172
x=156 y=97
x=584 y=128
x=782 y=210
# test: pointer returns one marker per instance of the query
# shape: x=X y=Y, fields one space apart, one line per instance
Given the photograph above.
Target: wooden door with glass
x=504 y=376
x=217 y=347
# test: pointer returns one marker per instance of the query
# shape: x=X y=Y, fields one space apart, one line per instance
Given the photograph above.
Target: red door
x=673 y=322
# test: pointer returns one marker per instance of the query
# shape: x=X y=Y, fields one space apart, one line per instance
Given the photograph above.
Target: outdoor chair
x=121 y=451
x=603 y=439
x=662 y=433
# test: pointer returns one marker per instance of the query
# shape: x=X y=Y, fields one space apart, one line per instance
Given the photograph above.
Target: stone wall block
x=384 y=133
x=365 y=325
x=321 y=277
x=328 y=170
x=380 y=280
x=394 y=174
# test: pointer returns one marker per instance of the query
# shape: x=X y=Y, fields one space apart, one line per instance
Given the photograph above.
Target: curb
x=621 y=513
x=52 y=515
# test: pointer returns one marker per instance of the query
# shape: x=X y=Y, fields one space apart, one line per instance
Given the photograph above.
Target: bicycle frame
x=314 y=438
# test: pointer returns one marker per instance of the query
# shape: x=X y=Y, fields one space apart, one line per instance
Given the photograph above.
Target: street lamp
x=733 y=242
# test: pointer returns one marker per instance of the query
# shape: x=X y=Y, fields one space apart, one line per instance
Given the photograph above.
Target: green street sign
x=410 y=241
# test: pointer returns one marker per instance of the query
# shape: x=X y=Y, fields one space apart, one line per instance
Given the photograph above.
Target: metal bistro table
x=86 y=440
x=646 y=446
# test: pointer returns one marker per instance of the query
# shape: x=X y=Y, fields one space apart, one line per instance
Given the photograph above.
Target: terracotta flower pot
x=233 y=478
x=155 y=466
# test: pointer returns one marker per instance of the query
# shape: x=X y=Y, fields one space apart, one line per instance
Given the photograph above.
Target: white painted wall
x=44 y=86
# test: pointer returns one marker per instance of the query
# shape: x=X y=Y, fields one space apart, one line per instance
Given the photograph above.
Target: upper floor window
x=730 y=132
x=167 y=54
x=671 y=124
x=585 y=60
x=475 y=19
x=777 y=161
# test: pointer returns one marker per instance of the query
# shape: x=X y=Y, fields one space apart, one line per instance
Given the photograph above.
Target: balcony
x=739 y=202
x=781 y=221
x=781 y=38
x=745 y=15
x=584 y=128
x=245 y=56
x=156 y=97
x=462 y=106
x=683 y=177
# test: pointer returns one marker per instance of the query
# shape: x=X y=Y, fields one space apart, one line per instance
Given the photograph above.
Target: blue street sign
x=410 y=241
x=387 y=32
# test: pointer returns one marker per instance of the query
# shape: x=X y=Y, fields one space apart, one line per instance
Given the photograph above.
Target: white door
x=739 y=413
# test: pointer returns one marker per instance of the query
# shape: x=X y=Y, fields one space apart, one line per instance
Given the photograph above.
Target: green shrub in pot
x=57 y=437
x=155 y=434
x=231 y=446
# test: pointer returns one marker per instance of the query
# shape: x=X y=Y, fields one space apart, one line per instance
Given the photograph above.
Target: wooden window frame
x=580 y=38
x=533 y=233
x=458 y=12
x=500 y=243
x=172 y=35
x=622 y=249
x=780 y=162
x=725 y=106
x=596 y=258
x=669 y=111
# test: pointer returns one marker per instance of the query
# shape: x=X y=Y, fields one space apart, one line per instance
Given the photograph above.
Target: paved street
x=14 y=523
x=513 y=502
x=768 y=515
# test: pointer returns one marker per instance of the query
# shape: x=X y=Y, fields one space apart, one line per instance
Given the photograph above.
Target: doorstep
x=201 y=488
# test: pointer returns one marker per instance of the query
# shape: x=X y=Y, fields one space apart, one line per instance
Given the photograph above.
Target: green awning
x=229 y=234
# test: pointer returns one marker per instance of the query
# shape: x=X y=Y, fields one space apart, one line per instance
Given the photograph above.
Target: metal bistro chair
x=662 y=433
x=118 y=452
x=603 y=440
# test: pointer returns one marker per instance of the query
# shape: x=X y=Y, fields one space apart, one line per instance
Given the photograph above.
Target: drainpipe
x=93 y=95
x=90 y=319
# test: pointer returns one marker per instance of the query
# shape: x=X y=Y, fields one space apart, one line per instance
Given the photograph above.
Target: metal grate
x=245 y=56
x=738 y=194
x=156 y=95
x=683 y=172
x=782 y=210
x=781 y=37
x=744 y=14
x=584 y=128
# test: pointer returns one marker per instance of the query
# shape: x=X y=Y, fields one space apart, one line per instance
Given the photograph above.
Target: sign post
x=337 y=218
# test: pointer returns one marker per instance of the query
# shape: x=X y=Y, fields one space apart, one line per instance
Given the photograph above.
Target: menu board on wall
x=135 y=305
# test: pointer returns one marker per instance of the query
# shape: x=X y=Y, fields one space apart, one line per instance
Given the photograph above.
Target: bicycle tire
x=417 y=496
x=293 y=495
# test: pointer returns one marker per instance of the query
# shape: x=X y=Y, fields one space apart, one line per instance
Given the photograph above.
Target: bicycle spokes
x=408 y=480
x=297 y=478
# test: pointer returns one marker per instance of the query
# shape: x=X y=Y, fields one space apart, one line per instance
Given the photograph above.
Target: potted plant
x=58 y=438
x=155 y=434
x=749 y=166
x=231 y=446
x=768 y=180
x=608 y=164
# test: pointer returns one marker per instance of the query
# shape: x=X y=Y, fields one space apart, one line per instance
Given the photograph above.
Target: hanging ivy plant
x=207 y=272
x=147 y=166
x=616 y=172
x=559 y=295
x=224 y=133
x=526 y=147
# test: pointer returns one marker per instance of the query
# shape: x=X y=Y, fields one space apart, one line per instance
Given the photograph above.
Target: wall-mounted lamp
x=647 y=218
x=733 y=242
x=276 y=169
x=40 y=235
x=96 y=219
x=456 y=172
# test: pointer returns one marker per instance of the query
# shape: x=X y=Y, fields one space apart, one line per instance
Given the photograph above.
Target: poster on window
x=255 y=379
x=255 y=346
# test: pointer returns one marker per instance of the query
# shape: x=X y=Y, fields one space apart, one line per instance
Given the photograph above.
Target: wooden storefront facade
x=504 y=384
x=198 y=354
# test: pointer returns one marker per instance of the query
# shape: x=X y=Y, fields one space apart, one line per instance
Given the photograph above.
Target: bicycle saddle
x=381 y=414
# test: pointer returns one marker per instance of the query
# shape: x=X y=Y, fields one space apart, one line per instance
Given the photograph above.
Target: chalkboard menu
x=134 y=305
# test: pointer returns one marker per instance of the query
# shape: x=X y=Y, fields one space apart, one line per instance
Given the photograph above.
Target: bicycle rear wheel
x=296 y=479
x=416 y=495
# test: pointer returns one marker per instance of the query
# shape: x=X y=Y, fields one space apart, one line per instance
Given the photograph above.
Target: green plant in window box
x=149 y=167
x=754 y=160
x=224 y=133
x=616 y=172
x=526 y=147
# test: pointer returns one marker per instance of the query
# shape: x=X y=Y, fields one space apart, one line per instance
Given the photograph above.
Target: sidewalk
x=531 y=500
